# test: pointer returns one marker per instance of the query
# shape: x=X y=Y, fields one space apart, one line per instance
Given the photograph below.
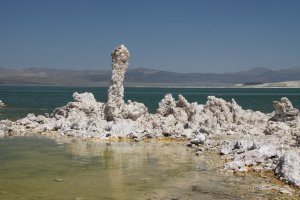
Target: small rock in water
x=145 y=179
x=225 y=150
x=284 y=191
x=1 y=103
x=58 y=180
x=199 y=139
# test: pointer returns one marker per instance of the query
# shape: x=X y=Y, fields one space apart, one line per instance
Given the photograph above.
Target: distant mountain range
x=143 y=77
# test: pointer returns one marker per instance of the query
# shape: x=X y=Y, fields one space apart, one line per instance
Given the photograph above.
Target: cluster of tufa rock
x=248 y=140
x=284 y=110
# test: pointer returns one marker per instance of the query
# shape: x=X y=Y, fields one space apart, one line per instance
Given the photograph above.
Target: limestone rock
x=288 y=168
x=244 y=145
x=134 y=110
x=115 y=103
x=198 y=139
x=277 y=128
x=284 y=110
x=87 y=98
x=166 y=105
x=226 y=147
x=251 y=157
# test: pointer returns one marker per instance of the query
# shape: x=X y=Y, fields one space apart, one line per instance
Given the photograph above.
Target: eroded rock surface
x=246 y=139
x=115 y=102
x=288 y=168
x=284 y=110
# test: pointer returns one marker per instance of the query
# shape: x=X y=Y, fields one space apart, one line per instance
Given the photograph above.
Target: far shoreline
x=236 y=86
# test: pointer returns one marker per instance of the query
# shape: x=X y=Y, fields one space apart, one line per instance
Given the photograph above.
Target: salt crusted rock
x=198 y=139
x=115 y=108
x=284 y=110
x=87 y=98
x=277 y=128
x=251 y=157
x=134 y=110
x=115 y=103
x=288 y=168
x=166 y=105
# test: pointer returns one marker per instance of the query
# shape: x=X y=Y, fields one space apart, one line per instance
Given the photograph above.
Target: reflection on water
x=35 y=168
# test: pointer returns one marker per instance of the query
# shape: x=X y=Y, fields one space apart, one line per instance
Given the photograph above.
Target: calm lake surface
x=37 y=168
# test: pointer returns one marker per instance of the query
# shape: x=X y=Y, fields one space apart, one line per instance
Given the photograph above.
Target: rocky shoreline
x=248 y=140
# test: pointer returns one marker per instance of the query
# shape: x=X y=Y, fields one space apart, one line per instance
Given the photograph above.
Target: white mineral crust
x=288 y=168
x=115 y=102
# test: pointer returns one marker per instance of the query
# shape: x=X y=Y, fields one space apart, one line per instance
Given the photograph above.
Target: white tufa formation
x=288 y=168
x=115 y=102
x=247 y=139
x=284 y=110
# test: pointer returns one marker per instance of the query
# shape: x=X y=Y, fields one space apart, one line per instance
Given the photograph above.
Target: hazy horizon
x=143 y=68
x=179 y=36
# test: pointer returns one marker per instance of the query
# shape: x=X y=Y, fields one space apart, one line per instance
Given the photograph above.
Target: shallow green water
x=21 y=100
x=35 y=168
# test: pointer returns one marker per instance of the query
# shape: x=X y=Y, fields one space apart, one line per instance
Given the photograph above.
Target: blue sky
x=182 y=36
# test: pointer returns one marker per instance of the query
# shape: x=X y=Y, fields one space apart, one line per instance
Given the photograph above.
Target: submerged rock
x=1 y=104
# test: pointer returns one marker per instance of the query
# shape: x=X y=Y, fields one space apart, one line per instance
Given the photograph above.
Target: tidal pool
x=37 y=168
